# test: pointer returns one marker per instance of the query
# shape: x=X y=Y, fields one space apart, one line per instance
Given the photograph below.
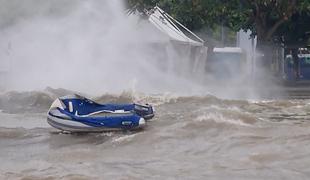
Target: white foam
x=220 y=118
x=125 y=138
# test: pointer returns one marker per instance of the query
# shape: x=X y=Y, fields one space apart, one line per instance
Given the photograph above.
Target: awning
x=171 y=27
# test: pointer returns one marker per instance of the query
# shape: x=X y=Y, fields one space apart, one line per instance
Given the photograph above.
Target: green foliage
x=272 y=21
x=296 y=31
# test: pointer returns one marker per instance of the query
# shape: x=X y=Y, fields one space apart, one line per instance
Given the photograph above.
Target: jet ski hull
x=79 y=114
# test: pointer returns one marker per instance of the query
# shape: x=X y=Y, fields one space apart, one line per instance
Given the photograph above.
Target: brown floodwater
x=191 y=137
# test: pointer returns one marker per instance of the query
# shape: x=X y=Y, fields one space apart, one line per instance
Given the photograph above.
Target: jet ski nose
x=142 y=122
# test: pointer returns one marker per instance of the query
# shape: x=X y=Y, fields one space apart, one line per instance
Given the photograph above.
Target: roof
x=228 y=50
x=169 y=26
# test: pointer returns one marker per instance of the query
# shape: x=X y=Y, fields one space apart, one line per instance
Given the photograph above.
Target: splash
x=87 y=46
x=94 y=48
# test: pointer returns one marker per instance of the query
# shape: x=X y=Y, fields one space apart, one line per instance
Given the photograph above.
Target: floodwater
x=191 y=137
x=90 y=46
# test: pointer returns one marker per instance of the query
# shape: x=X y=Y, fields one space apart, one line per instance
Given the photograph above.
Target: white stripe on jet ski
x=67 y=122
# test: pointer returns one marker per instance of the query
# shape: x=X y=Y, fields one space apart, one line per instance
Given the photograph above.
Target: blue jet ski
x=75 y=113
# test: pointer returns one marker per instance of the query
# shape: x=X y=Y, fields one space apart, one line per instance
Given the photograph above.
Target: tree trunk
x=264 y=52
x=296 y=63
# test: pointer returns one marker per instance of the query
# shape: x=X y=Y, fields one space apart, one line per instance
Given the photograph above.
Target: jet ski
x=75 y=113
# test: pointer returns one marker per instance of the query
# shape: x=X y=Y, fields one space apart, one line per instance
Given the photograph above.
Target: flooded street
x=194 y=137
x=239 y=125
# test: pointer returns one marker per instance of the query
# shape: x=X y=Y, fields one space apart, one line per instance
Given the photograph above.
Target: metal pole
x=252 y=57
x=222 y=33
x=238 y=39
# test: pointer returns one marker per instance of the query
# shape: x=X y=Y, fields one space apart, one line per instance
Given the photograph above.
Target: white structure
x=228 y=50
x=171 y=27
x=248 y=44
x=182 y=52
